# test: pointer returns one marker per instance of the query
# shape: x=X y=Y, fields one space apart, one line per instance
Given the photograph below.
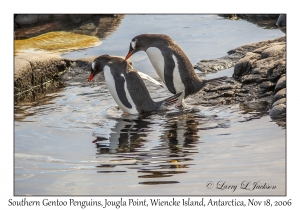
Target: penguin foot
x=125 y=114
x=179 y=105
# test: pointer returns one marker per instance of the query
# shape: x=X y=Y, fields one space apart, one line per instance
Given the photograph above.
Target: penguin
x=126 y=86
x=171 y=64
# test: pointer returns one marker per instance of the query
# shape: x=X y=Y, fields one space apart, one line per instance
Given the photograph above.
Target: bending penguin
x=170 y=63
x=126 y=86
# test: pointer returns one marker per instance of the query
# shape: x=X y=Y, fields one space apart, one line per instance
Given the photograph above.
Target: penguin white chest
x=177 y=81
x=110 y=83
x=157 y=60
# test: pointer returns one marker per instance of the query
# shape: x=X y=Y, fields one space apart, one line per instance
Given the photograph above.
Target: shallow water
x=77 y=143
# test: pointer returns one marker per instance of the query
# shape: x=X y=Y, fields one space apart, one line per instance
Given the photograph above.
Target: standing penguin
x=170 y=63
x=126 y=86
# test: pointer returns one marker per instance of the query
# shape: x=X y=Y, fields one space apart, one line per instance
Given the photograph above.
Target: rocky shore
x=258 y=83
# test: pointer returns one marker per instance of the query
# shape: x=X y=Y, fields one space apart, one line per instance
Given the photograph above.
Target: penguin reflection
x=181 y=133
x=126 y=136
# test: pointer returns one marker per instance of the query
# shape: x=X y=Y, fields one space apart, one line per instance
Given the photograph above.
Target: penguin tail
x=172 y=100
x=216 y=81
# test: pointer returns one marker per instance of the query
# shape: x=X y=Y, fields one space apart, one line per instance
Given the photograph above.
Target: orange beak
x=91 y=77
x=128 y=55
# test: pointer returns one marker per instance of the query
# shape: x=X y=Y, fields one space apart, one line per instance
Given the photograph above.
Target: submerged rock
x=56 y=42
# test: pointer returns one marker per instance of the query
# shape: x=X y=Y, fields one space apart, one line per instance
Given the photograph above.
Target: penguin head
x=138 y=43
x=98 y=65
x=106 y=60
x=143 y=41
x=133 y=47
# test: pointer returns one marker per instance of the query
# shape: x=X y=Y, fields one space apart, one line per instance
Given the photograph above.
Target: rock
x=235 y=55
x=51 y=62
x=33 y=71
x=245 y=64
x=275 y=73
x=79 y=72
x=260 y=70
x=93 y=25
x=22 y=75
x=261 y=20
x=281 y=21
x=85 y=62
x=280 y=101
x=24 y=20
x=78 y=18
x=277 y=50
x=215 y=65
x=267 y=85
x=43 y=17
x=60 y=17
x=278 y=112
x=279 y=95
x=281 y=83
x=251 y=78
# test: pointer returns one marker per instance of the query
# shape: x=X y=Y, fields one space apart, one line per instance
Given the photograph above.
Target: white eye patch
x=133 y=44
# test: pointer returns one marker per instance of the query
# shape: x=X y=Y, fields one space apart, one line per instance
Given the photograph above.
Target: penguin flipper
x=147 y=77
x=120 y=89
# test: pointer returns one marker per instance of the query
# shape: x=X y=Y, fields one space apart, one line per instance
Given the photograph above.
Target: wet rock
x=280 y=101
x=216 y=65
x=85 y=63
x=261 y=20
x=51 y=62
x=248 y=79
x=22 y=76
x=281 y=83
x=276 y=50
x=24 y=20
x=267 y=85
x=267 y=61
x=43 y=17
x=281 y=21
x=245 y=64
x=35 y=73
x=278 y=111
x=279 y=95
x=78 y=18
x=275 y=73
x=79 y=72
x=259 y=73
